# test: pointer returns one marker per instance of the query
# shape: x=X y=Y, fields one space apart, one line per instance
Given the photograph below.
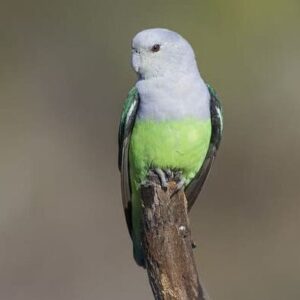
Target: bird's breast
x=172 y=100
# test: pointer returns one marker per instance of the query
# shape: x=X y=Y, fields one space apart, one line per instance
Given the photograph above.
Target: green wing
x=195 y=186
x=125 y=128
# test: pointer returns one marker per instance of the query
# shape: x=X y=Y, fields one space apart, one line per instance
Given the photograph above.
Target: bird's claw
x=166 y=175
x=162 y=177
x=179 y=186
x=147 y=183
x=169 y=173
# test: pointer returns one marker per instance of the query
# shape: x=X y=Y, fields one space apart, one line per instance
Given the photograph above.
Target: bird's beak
x=136 y=61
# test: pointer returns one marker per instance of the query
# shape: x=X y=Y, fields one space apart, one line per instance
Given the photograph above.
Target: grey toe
x=162 y=177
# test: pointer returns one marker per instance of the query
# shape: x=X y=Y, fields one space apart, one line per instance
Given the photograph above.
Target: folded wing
x=195 y=186
x=125 y=128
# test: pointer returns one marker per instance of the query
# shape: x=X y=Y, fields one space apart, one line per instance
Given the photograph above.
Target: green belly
x=179 y=144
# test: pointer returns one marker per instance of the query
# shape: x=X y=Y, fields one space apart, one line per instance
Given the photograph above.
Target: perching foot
x=180 y=183
x=162 y=177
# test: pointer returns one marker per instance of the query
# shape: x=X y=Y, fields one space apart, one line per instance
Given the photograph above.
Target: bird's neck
x=173 y=97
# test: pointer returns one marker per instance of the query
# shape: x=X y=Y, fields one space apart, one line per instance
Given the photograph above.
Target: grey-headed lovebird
x=171 y=120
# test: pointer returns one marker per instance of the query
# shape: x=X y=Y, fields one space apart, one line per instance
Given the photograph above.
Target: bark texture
x=167 y=243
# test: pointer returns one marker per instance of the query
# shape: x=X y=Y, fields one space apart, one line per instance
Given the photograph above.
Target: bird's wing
x=125 y=128
x=195 y=186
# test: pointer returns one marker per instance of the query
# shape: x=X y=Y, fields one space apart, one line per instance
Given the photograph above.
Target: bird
x=171 y=120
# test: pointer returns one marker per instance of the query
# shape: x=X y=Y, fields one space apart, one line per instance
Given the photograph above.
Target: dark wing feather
x=195 y=186
x=126 y=124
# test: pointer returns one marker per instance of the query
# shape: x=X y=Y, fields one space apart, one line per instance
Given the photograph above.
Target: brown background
x=64 y=72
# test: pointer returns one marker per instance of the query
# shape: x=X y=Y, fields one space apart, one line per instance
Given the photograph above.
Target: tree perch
x=167 y=243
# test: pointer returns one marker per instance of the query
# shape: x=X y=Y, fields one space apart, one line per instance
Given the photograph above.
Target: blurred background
x=64 y=72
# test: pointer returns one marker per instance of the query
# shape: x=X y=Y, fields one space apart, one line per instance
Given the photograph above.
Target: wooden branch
x=167 y=243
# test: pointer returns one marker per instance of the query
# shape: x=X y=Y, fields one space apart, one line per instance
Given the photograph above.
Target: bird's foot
x=163 y=176
x=180 y=183
x=169 y=173
x=148 y=182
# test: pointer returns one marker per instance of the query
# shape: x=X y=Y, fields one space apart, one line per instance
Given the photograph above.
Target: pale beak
x=136 y=61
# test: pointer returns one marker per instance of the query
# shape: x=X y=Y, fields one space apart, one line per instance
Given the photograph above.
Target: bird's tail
x=138 y=252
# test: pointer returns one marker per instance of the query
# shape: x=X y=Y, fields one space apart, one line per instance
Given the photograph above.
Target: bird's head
x=161 y=52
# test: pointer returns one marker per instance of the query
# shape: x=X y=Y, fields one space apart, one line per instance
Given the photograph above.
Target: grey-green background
x=64 y=72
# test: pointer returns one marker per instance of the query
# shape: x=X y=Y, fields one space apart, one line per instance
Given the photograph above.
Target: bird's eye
x=155 y=48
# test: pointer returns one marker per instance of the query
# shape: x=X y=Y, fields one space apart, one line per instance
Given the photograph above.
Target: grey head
x=160 y=52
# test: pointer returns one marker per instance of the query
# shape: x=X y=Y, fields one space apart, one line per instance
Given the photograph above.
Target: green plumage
x=125 y=126
x=178 y=144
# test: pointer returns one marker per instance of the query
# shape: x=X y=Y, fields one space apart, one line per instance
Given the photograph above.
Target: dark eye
x=155 y=48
